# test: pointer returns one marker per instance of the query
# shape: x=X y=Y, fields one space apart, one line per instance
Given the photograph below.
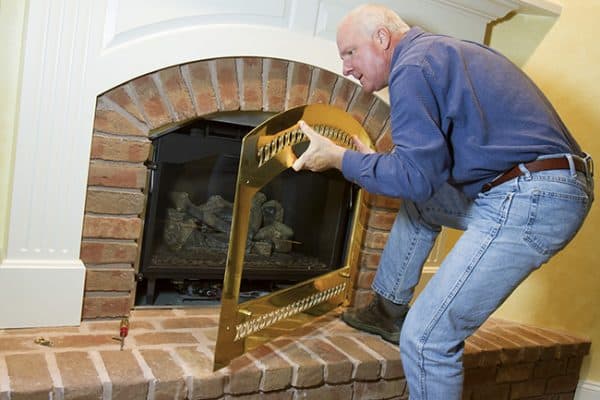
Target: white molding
x=587 y=390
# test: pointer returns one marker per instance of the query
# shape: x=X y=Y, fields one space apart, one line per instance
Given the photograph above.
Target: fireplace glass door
x=298 y=222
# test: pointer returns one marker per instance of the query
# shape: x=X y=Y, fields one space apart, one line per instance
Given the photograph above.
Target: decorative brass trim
x=267 y=151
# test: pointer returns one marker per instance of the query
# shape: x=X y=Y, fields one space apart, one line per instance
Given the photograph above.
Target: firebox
x=298 y=222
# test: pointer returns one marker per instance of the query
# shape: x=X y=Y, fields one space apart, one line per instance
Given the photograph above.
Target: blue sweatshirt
x=460 y=113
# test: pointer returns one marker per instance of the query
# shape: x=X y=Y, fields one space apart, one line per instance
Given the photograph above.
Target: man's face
x=363 y=57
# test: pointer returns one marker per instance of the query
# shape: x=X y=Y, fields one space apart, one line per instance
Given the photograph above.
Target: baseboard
x=588 y=390
x=43 y=293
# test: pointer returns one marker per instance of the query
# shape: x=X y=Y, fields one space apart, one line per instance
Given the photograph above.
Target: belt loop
x=589 y=165
x=571 y=165
x=525 y=171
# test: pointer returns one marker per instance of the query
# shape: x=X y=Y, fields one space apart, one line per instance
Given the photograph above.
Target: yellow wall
x=11 y=29
x=565 y=293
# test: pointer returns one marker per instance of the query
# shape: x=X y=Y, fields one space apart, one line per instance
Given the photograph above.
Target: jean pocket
x=554 y=219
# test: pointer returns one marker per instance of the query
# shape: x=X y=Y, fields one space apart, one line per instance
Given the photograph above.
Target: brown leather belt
x=536 y=166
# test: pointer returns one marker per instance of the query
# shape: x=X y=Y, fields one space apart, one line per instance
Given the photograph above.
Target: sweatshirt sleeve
x=420 y=161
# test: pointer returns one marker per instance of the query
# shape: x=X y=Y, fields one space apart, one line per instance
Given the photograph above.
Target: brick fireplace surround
x=127 y=114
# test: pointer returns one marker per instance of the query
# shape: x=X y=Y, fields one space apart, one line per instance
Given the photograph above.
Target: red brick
x=307 y=371
x=79 y=376
x=115 y=148
x=126 y=376
x=486 y=353
x=385 y=143
x=113 y=174
x=376 y=119
x=177 y=93
x=562 y=384
x=382 y=389
x=360 y=105
x=547 y=350
x=530 y=351
x=527 y=389
x=511 y=352
x=548 y=368
x=343 y=93
x=338 y=368
x=327 y=392
x=189 y=322
x=120 y=95
x=109 y=279
x=169 y=376
x=112 y=227
x=228 y=86
x=369 y=259
x=299 y=84
x=202 y=89
x=276 y=372
x=244 y=375
x=111 y=121
x=324 y=82
x=276 y=87
x=379 y=219
x=207 y=384
x=479 y=376
x=379 y=201
x=164 y=337
x=251 y=95
x=108 y=252
x=574 y=365
x=391 y=366
x=276 y=395
x=365 y=279
x=83 y=341
x=366 y=367
x=96 y=306
x=114 y=201
x=491 y=392
x=514 y=373
x=29 y=377
x=151 y=102
x=375 y=239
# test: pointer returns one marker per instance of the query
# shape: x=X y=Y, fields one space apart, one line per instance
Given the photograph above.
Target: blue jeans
x=509 y=231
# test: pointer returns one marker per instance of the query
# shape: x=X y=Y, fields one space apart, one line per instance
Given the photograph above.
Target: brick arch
x=127 y=114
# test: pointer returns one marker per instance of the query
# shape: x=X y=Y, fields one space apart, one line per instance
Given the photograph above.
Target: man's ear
x=383 y=37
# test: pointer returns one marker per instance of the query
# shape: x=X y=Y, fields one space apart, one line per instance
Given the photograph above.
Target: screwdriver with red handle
x=123 y=331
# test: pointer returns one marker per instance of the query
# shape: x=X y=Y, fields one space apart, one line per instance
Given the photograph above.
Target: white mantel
x=76 y=49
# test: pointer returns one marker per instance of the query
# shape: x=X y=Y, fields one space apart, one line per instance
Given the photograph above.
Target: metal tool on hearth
x=267 y=151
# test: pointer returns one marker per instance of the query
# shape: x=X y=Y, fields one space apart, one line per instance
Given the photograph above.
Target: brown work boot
x=381 y=317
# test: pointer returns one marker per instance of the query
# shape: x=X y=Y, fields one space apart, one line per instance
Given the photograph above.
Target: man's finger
x=306 y=129
x=298 y=164
x=360 y=146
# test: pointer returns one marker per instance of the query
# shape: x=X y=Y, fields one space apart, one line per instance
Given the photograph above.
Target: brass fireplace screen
x=267 y=151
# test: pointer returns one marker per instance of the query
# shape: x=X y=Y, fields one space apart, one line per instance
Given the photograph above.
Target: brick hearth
x=128 y=114
x=168 y=355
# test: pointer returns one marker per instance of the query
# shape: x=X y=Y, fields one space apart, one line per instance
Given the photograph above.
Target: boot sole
x=385 y=335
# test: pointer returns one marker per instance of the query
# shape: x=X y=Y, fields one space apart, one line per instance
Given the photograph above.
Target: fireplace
x=127 y=71
x=298 y=226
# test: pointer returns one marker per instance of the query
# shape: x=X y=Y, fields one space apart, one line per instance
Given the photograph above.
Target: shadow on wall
x=518 y=44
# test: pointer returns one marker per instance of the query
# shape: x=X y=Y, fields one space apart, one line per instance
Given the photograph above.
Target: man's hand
x=321 y=154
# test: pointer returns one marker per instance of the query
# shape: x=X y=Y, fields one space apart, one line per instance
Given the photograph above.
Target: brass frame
x=266 y=152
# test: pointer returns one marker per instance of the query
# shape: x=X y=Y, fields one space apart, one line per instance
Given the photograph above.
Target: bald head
x=366 y=39
x=368 y=17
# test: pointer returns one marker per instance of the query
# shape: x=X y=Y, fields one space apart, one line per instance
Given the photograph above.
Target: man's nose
x=347 y=69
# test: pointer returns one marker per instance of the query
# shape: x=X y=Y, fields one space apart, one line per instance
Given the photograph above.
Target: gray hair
x=371 y=16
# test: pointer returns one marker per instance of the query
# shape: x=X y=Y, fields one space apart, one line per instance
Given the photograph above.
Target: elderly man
x=478 y=148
